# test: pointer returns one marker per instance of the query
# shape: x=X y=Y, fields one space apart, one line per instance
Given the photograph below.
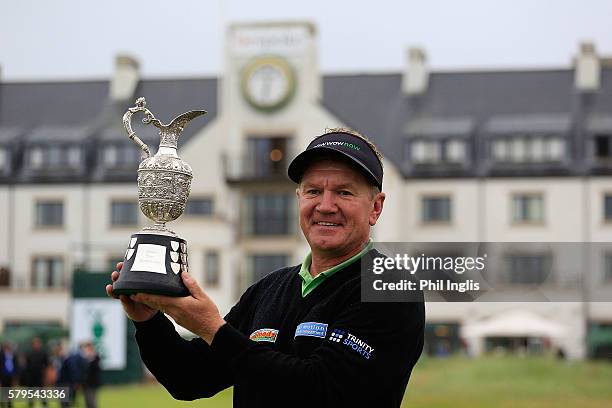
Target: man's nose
x=327 y=203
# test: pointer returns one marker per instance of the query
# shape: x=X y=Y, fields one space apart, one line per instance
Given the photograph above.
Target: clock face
x=268 y=83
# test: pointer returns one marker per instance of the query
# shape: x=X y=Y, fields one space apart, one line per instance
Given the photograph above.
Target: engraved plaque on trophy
x=156 y=256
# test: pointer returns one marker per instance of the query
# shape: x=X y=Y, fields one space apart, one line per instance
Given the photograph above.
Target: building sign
x=103 y=322
x=281 y=40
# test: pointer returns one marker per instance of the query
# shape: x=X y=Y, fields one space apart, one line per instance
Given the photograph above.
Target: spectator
x=72 y=374
x=9 y=369
x=92 y=375
x=36 y=364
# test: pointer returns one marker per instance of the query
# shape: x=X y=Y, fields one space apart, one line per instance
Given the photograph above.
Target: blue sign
x=311 y=329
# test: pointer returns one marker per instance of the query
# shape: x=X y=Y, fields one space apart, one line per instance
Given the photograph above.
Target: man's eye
x=312 y=191
x=345 y=193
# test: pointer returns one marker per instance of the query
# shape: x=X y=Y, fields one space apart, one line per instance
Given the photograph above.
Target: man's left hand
x=197 y=313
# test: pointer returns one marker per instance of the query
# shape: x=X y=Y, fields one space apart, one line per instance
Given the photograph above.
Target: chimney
x=416 y=75
x=125 y=78
x=587 y=68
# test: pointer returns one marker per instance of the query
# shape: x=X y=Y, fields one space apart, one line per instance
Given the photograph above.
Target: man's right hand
x=136 y=311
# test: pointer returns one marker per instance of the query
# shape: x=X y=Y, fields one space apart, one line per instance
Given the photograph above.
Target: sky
x=72 y=39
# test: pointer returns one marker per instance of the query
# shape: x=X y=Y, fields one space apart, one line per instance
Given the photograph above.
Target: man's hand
x=197 y=313
x=138 y=312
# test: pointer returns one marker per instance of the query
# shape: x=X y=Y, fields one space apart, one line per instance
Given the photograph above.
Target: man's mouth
x=327 y=224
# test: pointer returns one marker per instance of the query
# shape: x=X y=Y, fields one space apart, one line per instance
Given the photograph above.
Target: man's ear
x=377 y=207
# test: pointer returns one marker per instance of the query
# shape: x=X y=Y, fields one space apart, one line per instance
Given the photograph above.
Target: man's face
x=337 y=208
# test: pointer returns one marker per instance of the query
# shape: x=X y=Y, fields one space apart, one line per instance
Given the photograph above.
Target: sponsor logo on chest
x=353 y=342
x=311 y=329
x=268 y=335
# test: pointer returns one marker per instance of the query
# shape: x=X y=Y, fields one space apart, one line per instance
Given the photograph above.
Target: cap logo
x=337 y=143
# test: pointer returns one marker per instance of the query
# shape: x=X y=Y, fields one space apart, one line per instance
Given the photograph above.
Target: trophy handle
x=127 y=124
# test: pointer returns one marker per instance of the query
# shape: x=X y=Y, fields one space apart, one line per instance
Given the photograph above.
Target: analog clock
x=268 y=83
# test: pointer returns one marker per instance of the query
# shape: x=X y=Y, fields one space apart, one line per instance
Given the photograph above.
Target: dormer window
x=3 y=159
x=121 y=155
x=439 y=140
x=523 y=149
x=50 y=157
x=603 y=146
x=438 y=151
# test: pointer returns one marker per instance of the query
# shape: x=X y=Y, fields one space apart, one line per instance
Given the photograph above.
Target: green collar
x=309 y=283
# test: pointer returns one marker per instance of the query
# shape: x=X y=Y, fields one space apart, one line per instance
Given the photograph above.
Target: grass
x=509 y=382
x=455 y=382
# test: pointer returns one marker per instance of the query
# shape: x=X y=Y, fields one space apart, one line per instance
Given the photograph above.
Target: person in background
x=72 y=374
x=56 y=360
x=9 y=369
x=36 y=362
x=91 y=381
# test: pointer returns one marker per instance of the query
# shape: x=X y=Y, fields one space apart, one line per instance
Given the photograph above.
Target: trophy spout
x=170 y=133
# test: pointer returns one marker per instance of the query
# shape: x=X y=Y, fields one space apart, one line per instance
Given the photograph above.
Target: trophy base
x=153 y=264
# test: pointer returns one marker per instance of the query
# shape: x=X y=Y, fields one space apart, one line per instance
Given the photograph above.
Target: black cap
x=342 y=144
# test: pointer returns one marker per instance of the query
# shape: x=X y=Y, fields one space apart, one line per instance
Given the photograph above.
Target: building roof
x=513 y=100
x=599 y=123
x=9 y=134
x=56 y=133
x=467 y=104
x=529 y=123
x=428 y=126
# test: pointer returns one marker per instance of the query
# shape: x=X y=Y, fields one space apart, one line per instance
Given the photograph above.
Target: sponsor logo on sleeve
x=311 y=329
x=268 y=335
x=353 y=342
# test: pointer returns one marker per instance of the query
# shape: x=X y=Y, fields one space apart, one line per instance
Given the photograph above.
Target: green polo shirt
x=309 y=283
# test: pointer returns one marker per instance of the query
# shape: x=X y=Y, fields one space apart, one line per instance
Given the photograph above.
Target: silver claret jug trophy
x=156 y=256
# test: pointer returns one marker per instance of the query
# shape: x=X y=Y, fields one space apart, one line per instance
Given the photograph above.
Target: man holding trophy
x=298 y=337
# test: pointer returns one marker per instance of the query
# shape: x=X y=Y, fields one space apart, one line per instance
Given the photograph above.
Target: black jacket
x=349 y=353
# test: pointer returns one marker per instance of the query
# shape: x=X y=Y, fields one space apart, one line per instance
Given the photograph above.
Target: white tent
x=514 y=323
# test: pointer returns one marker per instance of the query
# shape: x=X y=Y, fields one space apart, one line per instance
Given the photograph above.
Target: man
x=9 y=370
x=72 y=374
x=37 y=361
x=91 y=380
x=300 y=336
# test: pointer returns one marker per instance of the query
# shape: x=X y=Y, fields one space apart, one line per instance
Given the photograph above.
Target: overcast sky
x=72 y=39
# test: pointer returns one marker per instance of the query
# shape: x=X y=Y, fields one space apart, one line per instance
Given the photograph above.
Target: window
x=437 y=151
x=603 y=146
x=3 y=159
x=48 y=272
x=528 y=149
x=528 y=208
x=607 y=275
x=55 y=156
x=426 y=151
x=267 y=214
x=608 y=207
x=49 y=214
x=5 y=276
x=528 y=269
x=199 y=206
x=121 y=155
x=455 y=151
x=124 y=213
x=262 y=265
x=211 y=268
x=267 y=156
x=436 y=209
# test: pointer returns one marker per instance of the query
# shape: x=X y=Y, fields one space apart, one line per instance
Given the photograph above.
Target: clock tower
x=270 y=77
x=268 y=83
x=269 y=102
